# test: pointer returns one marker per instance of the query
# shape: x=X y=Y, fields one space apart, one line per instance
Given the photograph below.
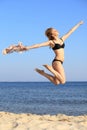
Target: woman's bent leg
x=48 y=76
x=56 y=73
x=59 y=68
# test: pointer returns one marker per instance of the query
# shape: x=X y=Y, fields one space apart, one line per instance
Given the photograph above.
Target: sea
x=44 y=98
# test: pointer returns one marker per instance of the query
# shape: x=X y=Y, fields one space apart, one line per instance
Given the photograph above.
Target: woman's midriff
x=59 y=55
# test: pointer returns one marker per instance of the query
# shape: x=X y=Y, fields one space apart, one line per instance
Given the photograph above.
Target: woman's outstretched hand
x=81 y=22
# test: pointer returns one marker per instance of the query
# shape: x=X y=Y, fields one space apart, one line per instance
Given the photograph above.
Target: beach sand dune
x=12 y=121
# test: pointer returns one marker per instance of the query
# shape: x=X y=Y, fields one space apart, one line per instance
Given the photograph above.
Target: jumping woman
x=57 y=45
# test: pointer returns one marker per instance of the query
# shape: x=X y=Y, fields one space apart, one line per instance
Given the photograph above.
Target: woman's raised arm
x=71 y=30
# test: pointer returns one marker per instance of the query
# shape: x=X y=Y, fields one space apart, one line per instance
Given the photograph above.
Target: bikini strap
x=62 y=39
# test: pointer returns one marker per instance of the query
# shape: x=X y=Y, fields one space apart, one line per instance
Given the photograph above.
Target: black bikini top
x=58 y=46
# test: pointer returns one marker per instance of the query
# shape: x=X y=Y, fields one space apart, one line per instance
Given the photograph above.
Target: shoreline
x=28 y=121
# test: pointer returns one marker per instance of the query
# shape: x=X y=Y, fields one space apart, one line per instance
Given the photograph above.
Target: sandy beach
x=12 y=121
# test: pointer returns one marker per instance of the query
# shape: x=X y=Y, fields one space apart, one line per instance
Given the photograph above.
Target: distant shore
x=12 y=121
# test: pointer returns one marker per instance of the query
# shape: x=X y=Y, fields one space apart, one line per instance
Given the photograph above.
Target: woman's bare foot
x=39 y=71
x=50 y=68
x=47 y=67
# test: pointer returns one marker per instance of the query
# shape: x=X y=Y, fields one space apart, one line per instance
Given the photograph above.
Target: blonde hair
x=49 y=33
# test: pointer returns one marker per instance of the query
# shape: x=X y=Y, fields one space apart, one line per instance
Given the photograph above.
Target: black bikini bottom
x=58 y=60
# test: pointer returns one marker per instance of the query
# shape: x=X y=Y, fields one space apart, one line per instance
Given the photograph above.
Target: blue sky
x=26 y=21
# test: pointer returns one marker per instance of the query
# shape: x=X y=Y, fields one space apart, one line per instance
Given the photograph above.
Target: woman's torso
x=58 y=48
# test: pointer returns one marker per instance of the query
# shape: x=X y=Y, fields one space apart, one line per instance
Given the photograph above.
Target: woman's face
x=55 y=32
x=51 y=33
